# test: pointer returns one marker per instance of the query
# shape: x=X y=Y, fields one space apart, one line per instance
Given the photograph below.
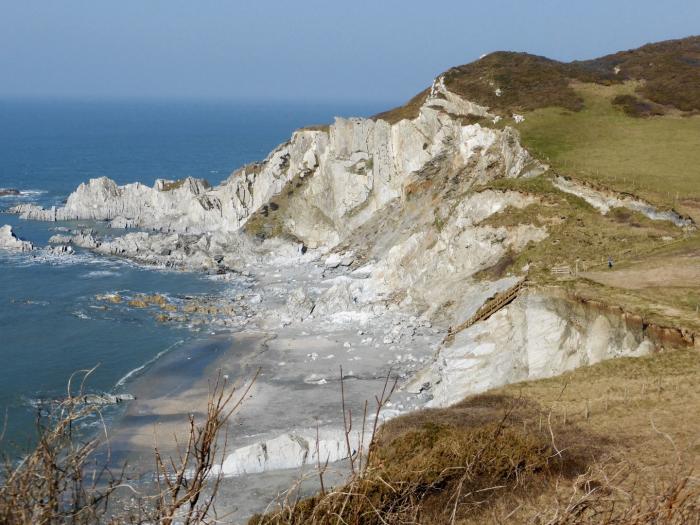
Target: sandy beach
x=271 y=439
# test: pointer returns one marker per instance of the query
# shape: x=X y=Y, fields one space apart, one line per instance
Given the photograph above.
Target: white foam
x=101 y=273
x=25 y=195
x=138 y=369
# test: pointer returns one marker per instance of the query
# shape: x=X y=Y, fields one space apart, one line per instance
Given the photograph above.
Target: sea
x=52 y=324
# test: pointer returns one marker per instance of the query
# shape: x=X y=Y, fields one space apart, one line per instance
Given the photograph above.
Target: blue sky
x=381 y=50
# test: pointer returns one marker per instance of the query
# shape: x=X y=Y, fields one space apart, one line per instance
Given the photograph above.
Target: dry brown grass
x=668 y=73
x=655 y=263
x=525 y=81
x=427 y=475
x=614 y=443
x=407 y=111
x=670 y=70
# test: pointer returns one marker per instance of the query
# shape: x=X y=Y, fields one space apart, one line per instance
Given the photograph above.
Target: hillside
x=609 y=443
x=507 y=82
x=628 y=122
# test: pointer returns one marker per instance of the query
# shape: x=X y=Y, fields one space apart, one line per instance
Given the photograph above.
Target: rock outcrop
x=343 y=176
x=9 y=241
x=395 y=216
x=604 y=201
x=540 y=334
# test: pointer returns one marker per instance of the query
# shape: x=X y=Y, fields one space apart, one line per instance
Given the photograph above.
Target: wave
x=23 y=196
x=138 y=369
x=100 y=273
x=43 y=256
x=24 y=193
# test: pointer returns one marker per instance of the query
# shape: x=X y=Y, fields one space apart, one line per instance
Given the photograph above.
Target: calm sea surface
x=50 y=322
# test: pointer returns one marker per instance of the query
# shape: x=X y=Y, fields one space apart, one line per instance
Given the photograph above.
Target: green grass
x=656 y=158
x=576 y=230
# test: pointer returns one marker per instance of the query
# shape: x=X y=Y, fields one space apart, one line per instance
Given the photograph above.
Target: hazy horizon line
x=190 y=99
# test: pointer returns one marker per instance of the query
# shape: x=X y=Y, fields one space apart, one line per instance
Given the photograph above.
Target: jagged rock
x=349 y=172
x=121 y=223
x=347 y=259
x=292 y=450
x=436 y=265
x=9 y=241
x=8 y=191
x=84 y=239
x=60 y=238
x=333 y=261
x=62 y=249
x=339 y=259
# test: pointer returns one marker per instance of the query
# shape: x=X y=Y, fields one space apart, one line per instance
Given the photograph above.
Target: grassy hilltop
x=629 y=120
x=613 y=443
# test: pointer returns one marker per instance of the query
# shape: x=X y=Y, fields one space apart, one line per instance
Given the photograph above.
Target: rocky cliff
x=343 y=175
x=411 y=210
x=543 y=333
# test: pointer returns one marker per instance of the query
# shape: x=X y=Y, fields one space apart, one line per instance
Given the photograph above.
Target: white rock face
x=367 y=164
x=441 y=97
x=605 y=201
x=536 y=336
x=290 y=451
x=344 y=176
x=299 y=304
x=437 y=266
x=9 y=241
x=402 y=202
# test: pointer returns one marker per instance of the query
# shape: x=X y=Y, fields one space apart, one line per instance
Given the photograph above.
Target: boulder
x=333 y=261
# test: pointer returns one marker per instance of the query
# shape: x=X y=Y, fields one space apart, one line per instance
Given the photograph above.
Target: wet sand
x=298 y=389
x=174 y=387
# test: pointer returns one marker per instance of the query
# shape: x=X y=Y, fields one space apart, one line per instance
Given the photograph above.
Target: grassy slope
x=656 y=158
x=612 y=438
x=582 y=238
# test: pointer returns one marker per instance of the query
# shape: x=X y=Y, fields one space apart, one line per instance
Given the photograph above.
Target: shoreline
x=270 y=440
x=170 y=388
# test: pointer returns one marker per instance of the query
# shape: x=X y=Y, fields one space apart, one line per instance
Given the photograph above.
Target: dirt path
x=681 y=272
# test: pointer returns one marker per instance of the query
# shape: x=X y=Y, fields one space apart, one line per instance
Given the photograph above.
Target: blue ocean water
x=51 y=325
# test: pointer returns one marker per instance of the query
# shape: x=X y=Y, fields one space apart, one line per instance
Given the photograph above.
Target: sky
x=305 y=50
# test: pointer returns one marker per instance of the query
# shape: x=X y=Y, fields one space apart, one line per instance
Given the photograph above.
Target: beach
x=270 y=441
